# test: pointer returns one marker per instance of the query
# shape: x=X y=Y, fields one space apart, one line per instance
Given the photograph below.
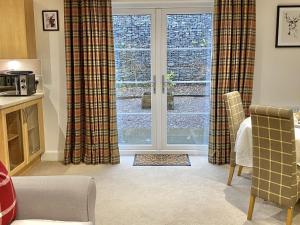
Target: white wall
x=276 y=82
x=51 y=52
x=277 y=70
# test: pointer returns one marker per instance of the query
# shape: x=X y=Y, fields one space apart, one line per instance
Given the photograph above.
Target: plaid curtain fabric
x=92 y=130
x=232 y=68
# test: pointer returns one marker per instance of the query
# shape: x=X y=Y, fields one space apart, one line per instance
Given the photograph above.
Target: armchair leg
x=240 y=170
x=251 y=207
x=231 y=172
x=289 y=217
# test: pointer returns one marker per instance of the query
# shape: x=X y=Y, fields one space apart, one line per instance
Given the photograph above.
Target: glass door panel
x=32 y=118
x=133 y=52
x=14 y=136
x=187 y=78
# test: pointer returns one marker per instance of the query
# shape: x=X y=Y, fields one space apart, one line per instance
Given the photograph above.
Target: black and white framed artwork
x=288 y=26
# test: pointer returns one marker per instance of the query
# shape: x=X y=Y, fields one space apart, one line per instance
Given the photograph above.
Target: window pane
x=187 y=128
x=133 y=65
x=132 y=31
x=189 y=30
x=190 y=64
x=134 y=128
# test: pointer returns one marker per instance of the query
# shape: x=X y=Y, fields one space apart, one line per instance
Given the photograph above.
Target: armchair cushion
x=7 y=197
x=59 y=198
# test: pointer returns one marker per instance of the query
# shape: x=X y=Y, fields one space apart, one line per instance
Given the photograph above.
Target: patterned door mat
x=161 y=160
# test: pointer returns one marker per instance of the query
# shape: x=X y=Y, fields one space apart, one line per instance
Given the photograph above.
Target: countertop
x=8 y=101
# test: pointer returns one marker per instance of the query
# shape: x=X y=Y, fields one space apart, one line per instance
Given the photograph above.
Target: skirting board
x=59 y=155
x=190 y=152
x=53 y=156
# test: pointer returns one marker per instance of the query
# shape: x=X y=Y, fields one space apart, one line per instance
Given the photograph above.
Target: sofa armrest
x=64 y=198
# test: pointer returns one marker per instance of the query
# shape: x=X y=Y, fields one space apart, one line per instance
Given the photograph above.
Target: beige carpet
x=196 y=195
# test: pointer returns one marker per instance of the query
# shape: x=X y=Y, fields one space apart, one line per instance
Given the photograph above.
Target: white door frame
x=143 y=11
x=163 y=59
x=158 y=68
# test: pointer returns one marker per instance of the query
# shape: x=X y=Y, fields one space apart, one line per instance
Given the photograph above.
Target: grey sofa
x=45 y=200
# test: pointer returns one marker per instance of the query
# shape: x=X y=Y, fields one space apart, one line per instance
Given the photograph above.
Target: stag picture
x=288 y=26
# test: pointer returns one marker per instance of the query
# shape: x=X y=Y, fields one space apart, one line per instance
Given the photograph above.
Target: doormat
x=161 y=160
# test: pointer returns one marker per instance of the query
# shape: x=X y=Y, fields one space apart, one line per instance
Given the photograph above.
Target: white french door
x=163 y=61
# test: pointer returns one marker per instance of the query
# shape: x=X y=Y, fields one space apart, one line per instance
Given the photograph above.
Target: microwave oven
x=17 y=83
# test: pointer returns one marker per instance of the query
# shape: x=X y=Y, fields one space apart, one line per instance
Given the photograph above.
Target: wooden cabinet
x=22 y=135
x=17 y=36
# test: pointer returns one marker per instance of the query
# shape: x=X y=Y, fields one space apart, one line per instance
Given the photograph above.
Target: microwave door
x=7 y=86
x=10 y=88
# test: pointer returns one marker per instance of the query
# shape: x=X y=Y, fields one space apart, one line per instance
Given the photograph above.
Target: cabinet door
x=15 y=139
x=33 y=129
x=17 y=36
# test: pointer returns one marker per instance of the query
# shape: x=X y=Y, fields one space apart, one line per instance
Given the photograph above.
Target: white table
x=243 y=144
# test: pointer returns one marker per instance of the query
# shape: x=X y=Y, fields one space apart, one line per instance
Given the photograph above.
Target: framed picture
x=50 y=20
x=288 y=26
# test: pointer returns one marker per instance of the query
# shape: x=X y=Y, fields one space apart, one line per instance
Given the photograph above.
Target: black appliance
x=17 y=83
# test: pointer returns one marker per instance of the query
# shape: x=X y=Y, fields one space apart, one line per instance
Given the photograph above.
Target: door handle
x=164 y=83
x=154 y=84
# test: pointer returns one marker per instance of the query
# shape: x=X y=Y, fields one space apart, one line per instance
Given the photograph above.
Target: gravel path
x=178 y=89
x=181 y=105
x=131 y=114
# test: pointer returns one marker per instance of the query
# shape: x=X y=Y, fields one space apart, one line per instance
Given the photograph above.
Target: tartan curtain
x=232 y=68
x=91 y=127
